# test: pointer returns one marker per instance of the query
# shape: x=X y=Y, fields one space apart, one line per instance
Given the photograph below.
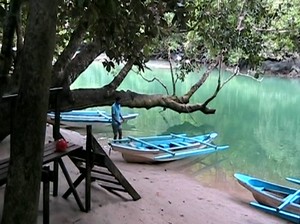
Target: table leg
x=46 y=192
x=75 y=184
x=55 y=181
x=68 y=178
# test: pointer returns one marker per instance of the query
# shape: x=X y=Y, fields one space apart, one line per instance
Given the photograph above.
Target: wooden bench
x=50 y=155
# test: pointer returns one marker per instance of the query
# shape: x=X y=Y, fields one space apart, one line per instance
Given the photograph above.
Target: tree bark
x=75 y=41
x=29 y=120
x=6 y=57
x=83 y=98
x=8 y=35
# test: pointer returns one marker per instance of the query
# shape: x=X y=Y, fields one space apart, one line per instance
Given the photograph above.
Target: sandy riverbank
x=168 y=197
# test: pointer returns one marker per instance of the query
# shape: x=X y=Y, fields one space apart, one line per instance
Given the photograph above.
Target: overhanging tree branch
x=116 y=82
x=200 y=82
x=154 y=79
x=82 y=60
x=218 y=88
x=172 y=73
x=270 y=30
x=65 y=57
x=84 y=98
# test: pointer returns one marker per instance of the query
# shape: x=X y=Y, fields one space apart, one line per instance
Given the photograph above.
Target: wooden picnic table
x=50 y=155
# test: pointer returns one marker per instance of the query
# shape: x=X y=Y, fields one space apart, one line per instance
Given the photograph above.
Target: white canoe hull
x=146 y=152
x=79 y=120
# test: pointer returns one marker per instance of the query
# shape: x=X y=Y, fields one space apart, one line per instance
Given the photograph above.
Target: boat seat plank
x=186 y=143
x=175 y=144
x=276 y=191
x=151 y=145
x=141 y=147
x=196 y=140
x=164 y=145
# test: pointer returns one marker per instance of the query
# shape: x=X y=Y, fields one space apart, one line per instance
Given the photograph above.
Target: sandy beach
x=168 y=196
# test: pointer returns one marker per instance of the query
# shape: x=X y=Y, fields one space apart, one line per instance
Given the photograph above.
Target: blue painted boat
x=165 y=147
x=81 y=118
x=279 y=200
x=93 y=113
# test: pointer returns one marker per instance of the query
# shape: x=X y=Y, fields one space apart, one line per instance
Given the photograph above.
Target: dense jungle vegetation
x=49 y=43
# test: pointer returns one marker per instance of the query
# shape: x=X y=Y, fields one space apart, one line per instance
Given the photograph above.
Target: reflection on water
x=258 y=120
x=189 y=128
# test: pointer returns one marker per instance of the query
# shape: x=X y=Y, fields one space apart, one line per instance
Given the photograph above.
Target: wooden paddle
x=152 y=145
x=196 y=140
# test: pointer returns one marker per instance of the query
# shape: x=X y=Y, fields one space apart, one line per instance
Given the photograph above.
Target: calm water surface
x=260 y=121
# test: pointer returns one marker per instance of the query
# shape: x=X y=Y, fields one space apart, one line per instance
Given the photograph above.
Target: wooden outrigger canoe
x=165 y=147
x=81 y=118
x=272 y=198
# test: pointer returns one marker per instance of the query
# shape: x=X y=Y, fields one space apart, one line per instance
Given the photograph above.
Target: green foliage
x=283 y=35
x=237 y=29
x=244 y=29
x=126 y=27
x=201 y=29
x=227 y=27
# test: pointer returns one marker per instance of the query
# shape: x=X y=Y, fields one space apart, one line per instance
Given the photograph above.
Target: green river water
x=260 y=121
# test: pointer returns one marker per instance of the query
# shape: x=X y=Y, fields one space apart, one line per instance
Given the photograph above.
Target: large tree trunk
x=4 y=120
x=29 y=120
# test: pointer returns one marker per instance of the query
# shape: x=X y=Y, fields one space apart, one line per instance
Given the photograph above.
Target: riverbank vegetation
x=49 y=43
x=260 y=35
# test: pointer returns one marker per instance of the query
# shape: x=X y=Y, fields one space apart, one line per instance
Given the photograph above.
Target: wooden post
x=88 y=168
x=56 y=136
x=46 y=192
x=11 y=99
x=56 y=127
x=12 y=111
x=55 y=181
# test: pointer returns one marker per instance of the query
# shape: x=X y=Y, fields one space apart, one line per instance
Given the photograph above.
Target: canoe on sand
x=272 y=198
x=165 y=147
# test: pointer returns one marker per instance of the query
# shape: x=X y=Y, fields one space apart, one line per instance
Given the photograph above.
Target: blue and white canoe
x=165 y=147
x=92 y=113
x=272 y=198
x=81 y=118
